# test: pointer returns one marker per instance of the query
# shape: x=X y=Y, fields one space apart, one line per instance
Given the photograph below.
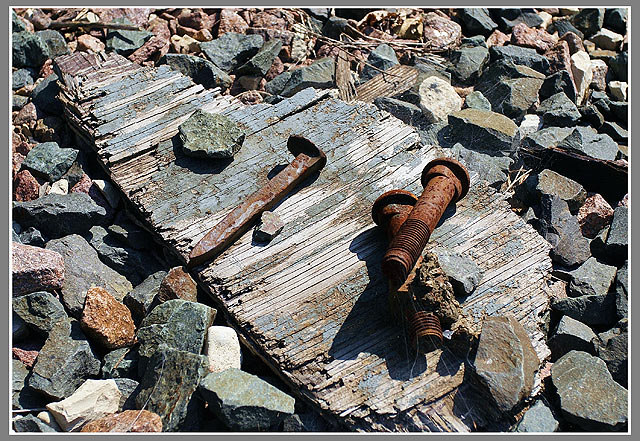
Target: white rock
x=92 y=400
x=438 y=99
x=607 y=39
x=619 y=89
x=109 y=191
x=582 y=73
x=569 y=11
x=546 y=19
x=223 y=348
x=60 y=187
x=48 y=419
x=530 y=124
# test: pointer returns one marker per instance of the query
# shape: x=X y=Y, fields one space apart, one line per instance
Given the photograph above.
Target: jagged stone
x=35 y=269
x=140 y=300
x=39 y=310
x=243 y=401
x=545 y=137
x=588 y=142
x=107 y=321
x=477 y=21
x=484 y=131
x=320 y=75
x=167 y=386
x=559 y=110
x=570 y=334
x=65 y=361
x=591 y=278
x=201 y=71
x=492 y=169
x=49 y=161
x=209 y=135
x=28 y=49
x=231 y=49
x=506 y=361
x=602 y=405
x=538 y=418
x=261 y=62
x=58 y=215
x=520 y=55
x=382 y=57
x=268 y=228
x=590 y=310
x=464 y=274
x=177 y=324
x=83 y=270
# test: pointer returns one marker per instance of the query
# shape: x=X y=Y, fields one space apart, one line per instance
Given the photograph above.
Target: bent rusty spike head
x=445 y=180
x=309 y=159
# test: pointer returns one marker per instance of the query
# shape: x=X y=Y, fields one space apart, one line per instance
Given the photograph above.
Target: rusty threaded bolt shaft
x=445 y=180
x=425 y=330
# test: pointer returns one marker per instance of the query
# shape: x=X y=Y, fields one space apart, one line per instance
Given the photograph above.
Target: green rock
x=231 y=49
x=261 y=62
x=589 y=20
x=591 y=278
x=22 y=77
x=200 y=70
x=244 y=402
x=482 y=130
x=28 y=50
x=520 y=55
x=65 y=361
x=177 y=324
x=17 y=25
x=49 y=161
x=275 y=86
x=167 y=386
x=476 y=100
x=54 y=41
x=618 y=237
x=548 y=182
x=39 y=310
x=125 y=42
x=538 y=418
x=23 y=397
x=208 y=135
x=120 y=363
x=320 y=75
x=45 y=95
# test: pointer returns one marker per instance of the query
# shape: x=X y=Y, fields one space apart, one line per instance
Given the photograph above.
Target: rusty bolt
x=425 y=331
x=445 y=180
x=391 y=209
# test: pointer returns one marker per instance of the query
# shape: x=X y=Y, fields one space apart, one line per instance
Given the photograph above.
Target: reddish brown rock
x=26 y=356
x=27 y=115
x=106 y=320
x=35 y=269
x=89 y=43
x=497 y=38
x=177 y=284
x=40 y=19
x=538 y=39
x=203 y=35
x=594 y=215
x=559 y=57
x=271 y=24
x=195 y=19
x=230 y=21
x=17 y=158
x=83 y=185
x=46 y=69
x=250 y=97
x=574 y=42
x=26 y=23
x=148 y=49
x=25 y=187
x=127 y=421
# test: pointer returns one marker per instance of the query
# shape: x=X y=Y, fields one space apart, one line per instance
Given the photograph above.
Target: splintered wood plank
x=313 y=302
x=392 y=81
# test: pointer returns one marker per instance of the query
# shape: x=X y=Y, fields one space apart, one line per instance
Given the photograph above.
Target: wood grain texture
x=313 y=302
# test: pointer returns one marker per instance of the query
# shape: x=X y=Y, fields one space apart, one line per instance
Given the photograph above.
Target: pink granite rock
x=107 y=321
x=17 y=159
x=35 y=269
x=25 y=187
x=497 y=38
x=88 y=43
x=83 y=185
x=594 y=215
x=574 y=42
x=538 y=39
x=230 y=21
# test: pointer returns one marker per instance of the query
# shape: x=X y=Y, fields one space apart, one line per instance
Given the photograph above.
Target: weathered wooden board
x=313 y=302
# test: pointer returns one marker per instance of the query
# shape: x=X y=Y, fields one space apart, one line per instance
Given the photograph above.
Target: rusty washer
x=391 y=209
x=445 y=180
